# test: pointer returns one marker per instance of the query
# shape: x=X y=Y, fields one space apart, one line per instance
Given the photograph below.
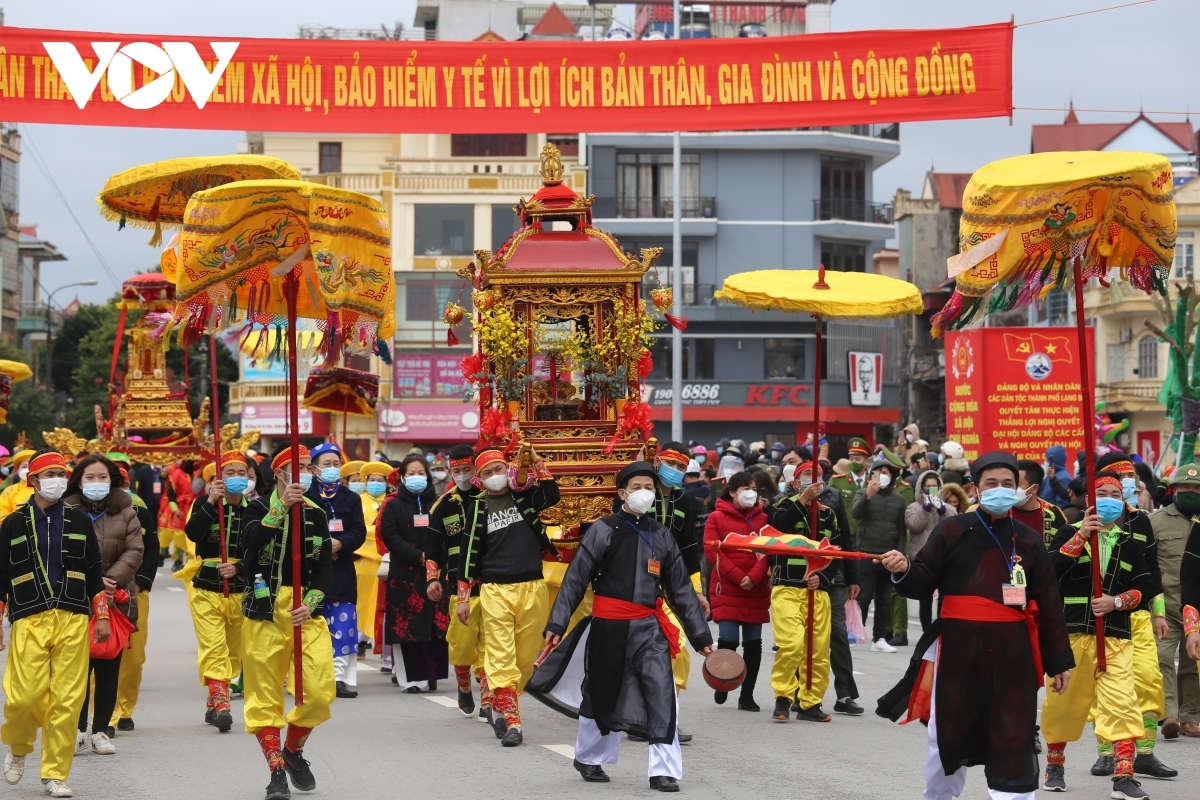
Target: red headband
x=1108 y=480
x=488 y=457
x=1120 y=466
x=234 y=457
x=285 y=457
x=800 y=468
x=465 y=461
x=674 y=455
x=44 y=462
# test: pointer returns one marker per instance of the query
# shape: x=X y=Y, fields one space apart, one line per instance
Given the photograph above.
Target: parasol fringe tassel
x=156 y=239
x=678 y=323
x=121 y=224
x=385 y=352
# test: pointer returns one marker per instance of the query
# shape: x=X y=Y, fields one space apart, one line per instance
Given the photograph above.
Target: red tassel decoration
x=635 y=419
x=451 y=339
x=645 y=365
x=471 y=365
x=678 y=323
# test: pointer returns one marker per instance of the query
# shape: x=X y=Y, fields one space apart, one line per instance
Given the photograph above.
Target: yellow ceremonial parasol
x=824 y=295
x=270 y=253
x=155 y=195
x=10 y=372
x=1035 y=223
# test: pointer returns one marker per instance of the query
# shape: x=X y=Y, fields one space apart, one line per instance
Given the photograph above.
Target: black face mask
x=1188 y=503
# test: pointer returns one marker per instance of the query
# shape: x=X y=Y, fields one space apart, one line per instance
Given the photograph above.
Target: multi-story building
x=10 y=234
x=38 y=319
x=755 y=200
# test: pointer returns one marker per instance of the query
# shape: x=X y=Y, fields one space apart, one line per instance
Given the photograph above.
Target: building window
x=567 y=143
x=1184 y=261
x=330 y=157
x=1116 y=362
x=844 y=257
x=424 y=300
x=843 y=188
x=698 y=359
x=1148 y=358
x=487 y=145
x=783 y=359
x=505 y=223
x=444 y=230
x=645 y=186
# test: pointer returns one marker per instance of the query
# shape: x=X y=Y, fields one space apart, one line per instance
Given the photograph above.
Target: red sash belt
x=612 y=608
x=979 y=609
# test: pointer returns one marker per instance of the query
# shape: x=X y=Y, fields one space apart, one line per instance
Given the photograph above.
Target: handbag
x=385 y=566
x=120 y=629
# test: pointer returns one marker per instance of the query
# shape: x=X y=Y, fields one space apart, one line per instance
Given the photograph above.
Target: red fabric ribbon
x=612 y=608
x=979 y=609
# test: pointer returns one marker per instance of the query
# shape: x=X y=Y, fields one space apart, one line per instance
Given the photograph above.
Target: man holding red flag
x=1000 y=628
x=267 y=634
x=632 y=563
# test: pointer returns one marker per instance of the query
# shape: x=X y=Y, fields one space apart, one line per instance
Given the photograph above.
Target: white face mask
x=463 y=482
x=496 y=482
x=249 y=483
x=23 y=472
x=52 y=488
x=639 y=501
x=789 y=472
x=885 y=480
x=747 y=498
x=439 y=474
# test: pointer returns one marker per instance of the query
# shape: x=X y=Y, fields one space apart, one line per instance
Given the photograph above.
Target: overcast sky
x=1122 y=59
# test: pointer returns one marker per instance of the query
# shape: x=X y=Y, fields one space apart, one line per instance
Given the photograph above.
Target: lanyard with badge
x=652 y=565
x=420 y=519
x=1013 y=592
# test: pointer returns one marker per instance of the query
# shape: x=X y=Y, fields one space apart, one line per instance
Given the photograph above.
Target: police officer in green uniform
x=899 y=606
x=850 y=483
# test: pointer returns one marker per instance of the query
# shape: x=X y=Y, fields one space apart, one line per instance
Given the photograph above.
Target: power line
x=44 y=168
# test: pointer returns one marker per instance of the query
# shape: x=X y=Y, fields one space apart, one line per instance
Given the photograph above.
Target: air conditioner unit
x=1126 y=335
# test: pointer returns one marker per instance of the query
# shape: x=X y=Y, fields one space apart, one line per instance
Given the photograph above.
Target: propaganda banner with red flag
x=311 y=85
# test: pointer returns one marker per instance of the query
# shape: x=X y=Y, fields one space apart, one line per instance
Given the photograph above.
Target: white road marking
x=442 y=701
x=562 y=749
x=856 y=672
x=174 y=589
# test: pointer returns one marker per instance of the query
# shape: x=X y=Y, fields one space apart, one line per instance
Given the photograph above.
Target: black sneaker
x=720 y=697
x=210 y=716
x=499 y=724
x=431 y=686
x=1126 y=788
x=1055 y=782
x=278 y=789
x=362 y=649
x=466 y=704
x=511 y=737
x=1103 y=767
x=1148 y=764
x=485 y=714
x=223 y=720
x=783 y=710
x=125 y=724
x=298 y=771
x=111 y=732
x=899 y=640
x=848 y=706
x=814 y=714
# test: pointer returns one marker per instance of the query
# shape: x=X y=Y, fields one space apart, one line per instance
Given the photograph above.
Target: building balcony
x=365 y=182
x=1127 y=396
x=654 y=208
x=836 y=208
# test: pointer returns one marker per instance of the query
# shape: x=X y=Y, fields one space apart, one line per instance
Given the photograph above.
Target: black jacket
x=1126 y=570
x=24 y=580
x=447 y=521
x=409 y=545
x=344 y=507
x=203 y=529
x=788 y=516
x=268 y=551
x=151 y=554
x=543 y=495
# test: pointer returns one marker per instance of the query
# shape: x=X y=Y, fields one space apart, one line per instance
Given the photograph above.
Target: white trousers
x=594 y=749
x=939 y=785
x=345 y=669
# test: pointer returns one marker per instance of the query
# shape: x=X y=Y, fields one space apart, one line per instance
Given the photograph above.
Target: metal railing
x=358 y=181
x=1117 y=391
x=654 y=207
x=838 y=208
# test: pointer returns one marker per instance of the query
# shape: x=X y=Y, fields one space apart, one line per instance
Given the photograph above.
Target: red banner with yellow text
x=142 y=80
x=1015 y=389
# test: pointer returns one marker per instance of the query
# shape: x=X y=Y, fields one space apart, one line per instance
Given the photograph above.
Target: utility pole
x=676 y=279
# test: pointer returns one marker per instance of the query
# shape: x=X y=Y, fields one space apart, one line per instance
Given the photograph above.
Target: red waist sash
x=979 y=609
x=615 y=609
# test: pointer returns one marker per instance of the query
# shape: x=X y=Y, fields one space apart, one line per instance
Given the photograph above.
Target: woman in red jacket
x=740 y=587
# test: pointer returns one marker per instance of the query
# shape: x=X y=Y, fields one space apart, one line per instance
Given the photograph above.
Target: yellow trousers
x=514 y=618
x=681 y=664
x=1117 y=715
x=168 y=537
x=789 y=623
x=129 y=683
x=45 y=682
x=465 y=642
x=1147 y=675
x=218 y=622
x=367 y=573
x=266 y=657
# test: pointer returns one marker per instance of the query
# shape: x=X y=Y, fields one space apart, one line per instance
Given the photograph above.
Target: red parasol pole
x=216 y=418
x=1089 y=449
x=291 y=290
x=815 y=508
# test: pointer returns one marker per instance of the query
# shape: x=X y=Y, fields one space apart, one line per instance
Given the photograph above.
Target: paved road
x=386 y=743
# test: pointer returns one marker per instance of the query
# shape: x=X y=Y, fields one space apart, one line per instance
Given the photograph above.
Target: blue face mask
x=376 y=489
x=306 y=479
x=237 y=485
x=358 y=487
x=700 y=458
x=720 y=450
x=1129 y=490
x=1000 y=500
x=670 y=476
x=429 y=458
x=330 y=475
x=95 y=491
x=416 y=483
x=1109 y=509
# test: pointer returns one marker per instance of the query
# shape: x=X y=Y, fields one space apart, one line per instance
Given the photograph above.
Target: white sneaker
x=14 y=768
x=882 y=646
x=56 y=788
x=81 y=743
x=103 y=745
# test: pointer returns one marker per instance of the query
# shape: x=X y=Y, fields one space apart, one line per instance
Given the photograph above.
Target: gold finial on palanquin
x=552 y=168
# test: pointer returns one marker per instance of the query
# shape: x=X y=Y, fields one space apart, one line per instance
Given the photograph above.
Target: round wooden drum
x=724 y=670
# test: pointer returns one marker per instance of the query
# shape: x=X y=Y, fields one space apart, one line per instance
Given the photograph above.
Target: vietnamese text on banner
x=307 y=85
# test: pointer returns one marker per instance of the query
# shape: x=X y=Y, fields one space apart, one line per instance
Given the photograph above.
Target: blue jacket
x=344 y=507
x=1057 y=458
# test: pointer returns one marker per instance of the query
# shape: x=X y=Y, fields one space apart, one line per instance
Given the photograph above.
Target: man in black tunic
x=976 y=672
x=632 y=562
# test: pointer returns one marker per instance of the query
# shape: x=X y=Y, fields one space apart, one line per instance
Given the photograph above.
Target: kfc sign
x=117 y=62
x=866 y=379
x=777 y=394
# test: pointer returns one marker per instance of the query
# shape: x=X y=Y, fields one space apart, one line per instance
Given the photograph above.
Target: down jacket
x=923 y=515
x=730 y=602
x=119 y=534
